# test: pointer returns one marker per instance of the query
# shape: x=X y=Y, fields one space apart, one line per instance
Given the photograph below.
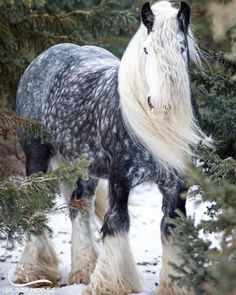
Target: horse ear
x=147 y=16
x=183 y=16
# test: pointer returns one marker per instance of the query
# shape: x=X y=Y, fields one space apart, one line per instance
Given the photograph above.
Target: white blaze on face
x=151 y=73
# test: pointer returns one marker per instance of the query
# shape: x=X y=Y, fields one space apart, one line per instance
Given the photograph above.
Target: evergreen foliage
x=215 y=91
x=11 y=125
x=28 y=27
x=206 y=269
x=23 y=203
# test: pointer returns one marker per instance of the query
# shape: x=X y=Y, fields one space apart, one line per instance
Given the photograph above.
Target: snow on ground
x=145 y=213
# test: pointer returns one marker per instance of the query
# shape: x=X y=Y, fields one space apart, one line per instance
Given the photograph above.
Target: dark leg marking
x=37 y=155
x=117 y=217
x=40 y=264
x=84 y=191
x=172 y=201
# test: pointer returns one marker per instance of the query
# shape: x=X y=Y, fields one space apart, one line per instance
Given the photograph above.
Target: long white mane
x=169 y=129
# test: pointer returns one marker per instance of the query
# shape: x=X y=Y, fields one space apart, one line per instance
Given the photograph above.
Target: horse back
x=38 y=79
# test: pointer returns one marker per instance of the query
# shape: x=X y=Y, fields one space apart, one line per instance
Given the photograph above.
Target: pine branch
x=205 y=268
x=194 y=260
x=12 y=125
x=218 y=170
x=23 y=203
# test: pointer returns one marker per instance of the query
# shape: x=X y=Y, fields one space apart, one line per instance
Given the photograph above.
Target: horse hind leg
x=172 y=200
x=39 y=262
x=39 y=259
x=83 y=250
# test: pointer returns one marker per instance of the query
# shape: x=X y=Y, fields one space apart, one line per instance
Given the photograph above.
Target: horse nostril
x=145 y=50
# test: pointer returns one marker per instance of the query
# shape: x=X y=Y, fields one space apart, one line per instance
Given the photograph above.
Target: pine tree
x=28 y=27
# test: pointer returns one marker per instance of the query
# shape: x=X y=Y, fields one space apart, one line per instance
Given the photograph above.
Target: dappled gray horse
x=135 y=120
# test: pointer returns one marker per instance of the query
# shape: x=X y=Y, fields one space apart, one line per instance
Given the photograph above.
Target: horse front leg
x=115 y=272
x=172 y=201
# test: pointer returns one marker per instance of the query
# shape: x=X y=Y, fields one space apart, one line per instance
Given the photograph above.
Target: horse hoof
x=102 y=290
x=91 y=291
x=167 y=288
x=80 y=277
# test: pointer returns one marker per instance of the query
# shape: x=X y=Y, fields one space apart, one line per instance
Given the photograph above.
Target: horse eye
x=182 y=49
x=145 y=50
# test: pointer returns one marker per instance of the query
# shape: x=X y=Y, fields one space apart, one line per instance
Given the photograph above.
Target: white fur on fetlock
x=115 y=272
x=85 y=267
x=83 y=248
x=34 y=273
x=167 y=288
x=79 y=277
x=39 y=261
x=170 y=254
